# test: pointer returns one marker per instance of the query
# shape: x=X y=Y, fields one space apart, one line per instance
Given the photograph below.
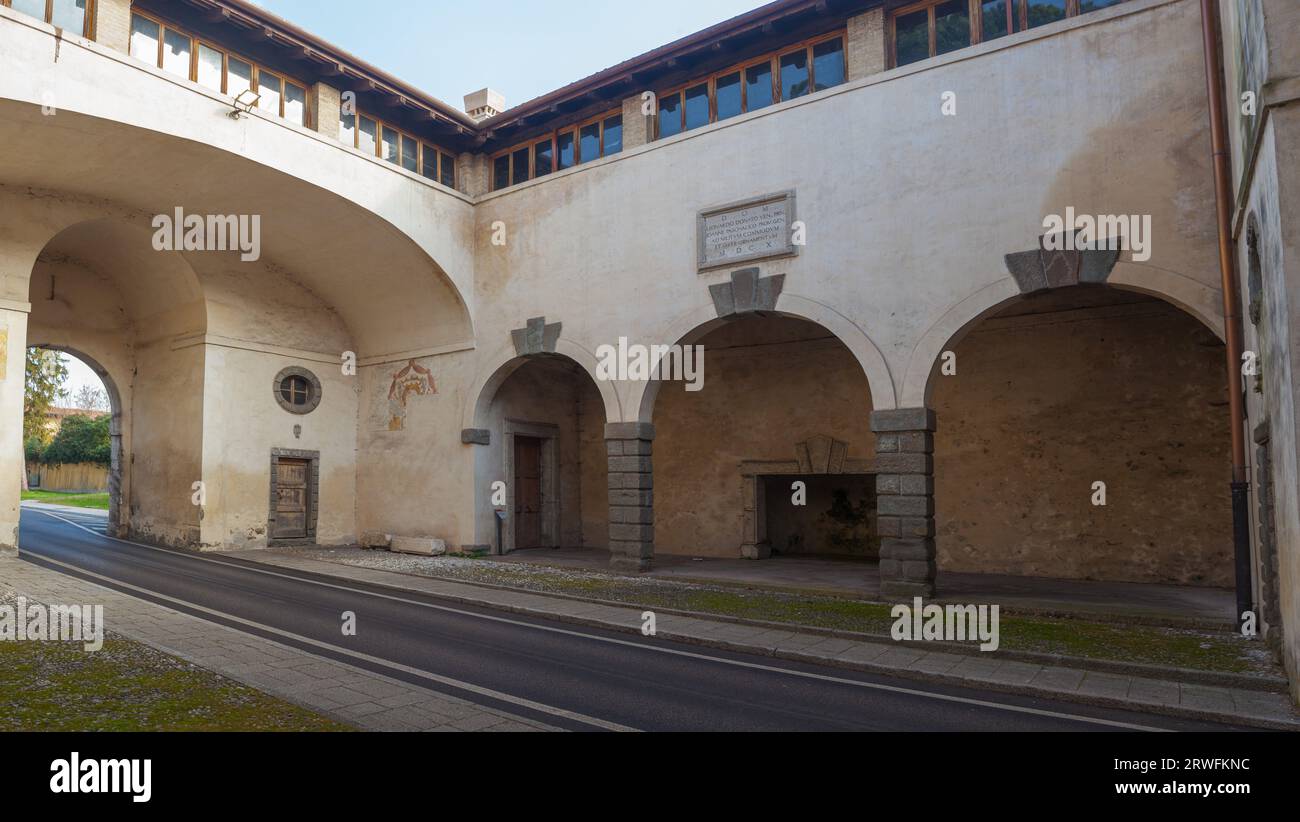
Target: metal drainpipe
x=1231 y=307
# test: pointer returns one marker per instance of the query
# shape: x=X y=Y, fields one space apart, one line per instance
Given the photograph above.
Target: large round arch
x=694 y=324
x=770 y=453
x=1082 y=434
x=538 y=427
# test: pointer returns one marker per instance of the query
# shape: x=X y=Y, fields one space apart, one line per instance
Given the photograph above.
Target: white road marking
x=455 y=683
x=672 y=651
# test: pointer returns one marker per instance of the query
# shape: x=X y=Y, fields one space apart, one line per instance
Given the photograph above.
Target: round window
x=297 y=390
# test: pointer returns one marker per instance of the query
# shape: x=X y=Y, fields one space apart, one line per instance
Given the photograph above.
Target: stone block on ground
x=424 y=546
x=375 y=539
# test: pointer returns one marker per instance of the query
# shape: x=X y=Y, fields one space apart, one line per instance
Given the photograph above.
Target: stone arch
x=698 y=322
x=507 y=360
x=1181 y=291
x=566 y=413
x=117 y=491
x=99 y=291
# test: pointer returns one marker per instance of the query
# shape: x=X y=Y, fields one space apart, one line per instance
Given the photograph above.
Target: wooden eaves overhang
x=266 y=37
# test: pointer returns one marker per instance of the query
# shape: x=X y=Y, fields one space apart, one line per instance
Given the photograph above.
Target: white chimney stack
x=483 y=104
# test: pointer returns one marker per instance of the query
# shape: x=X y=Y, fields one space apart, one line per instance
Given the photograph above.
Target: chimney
x=483 y=104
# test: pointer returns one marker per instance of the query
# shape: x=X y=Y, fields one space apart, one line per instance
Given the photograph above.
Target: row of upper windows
x=69 y=15
x=376 y=137
x=790 y=72
x=184 y=55
x=933 y=27
x=561 y=149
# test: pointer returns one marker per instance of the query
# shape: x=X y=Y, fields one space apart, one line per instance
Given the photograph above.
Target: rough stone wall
x=768 y=384
x=113 y=24
x=866 y=46
x=326 y=102
x=1044 y=405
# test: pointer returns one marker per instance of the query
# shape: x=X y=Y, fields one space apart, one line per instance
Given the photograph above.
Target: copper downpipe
x=1224 y=202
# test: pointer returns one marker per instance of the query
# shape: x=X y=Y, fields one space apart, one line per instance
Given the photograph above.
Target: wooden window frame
x=1017 y=13
x=773 y=61
x=309 y=115
x=553 y=139
x=88 y=26
x=424 y=146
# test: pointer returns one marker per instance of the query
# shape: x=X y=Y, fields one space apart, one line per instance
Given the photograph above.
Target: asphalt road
x=606 y=680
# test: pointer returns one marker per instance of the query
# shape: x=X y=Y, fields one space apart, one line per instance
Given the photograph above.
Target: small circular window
x=297 y=390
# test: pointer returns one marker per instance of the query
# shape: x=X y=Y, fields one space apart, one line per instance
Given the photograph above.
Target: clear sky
x=521 y=48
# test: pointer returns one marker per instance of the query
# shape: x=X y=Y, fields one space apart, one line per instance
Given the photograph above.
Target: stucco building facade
x=842 y=203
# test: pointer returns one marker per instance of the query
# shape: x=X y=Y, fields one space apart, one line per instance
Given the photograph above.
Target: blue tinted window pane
x=758 y=86
x=521 y=166
x=828 y=64
x=994 y=18
x=448 y=171
x=951 y=26
x=33 y=8
x=794 y=75
x=670 y=115
x=501 y=172
x=613 y=135
x=589 y=143
x=727 y=94
x=697 y=106
x=543 y=156
x=564 y=151
x=912 y=37
x=1042 y=12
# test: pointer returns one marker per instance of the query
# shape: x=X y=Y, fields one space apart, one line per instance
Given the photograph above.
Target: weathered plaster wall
x=768 y=384
x=243 y=422
x=1045 y=404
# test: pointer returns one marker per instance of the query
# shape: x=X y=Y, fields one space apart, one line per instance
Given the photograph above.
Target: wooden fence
x=84 y=477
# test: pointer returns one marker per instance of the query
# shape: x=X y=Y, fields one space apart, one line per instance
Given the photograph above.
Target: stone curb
x=1291 y=723
x=1222 y=679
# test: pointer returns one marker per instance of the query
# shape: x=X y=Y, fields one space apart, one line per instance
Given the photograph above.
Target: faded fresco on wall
x=412 y=380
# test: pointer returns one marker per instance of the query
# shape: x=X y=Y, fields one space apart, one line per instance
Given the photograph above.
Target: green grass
x=128 y=686
x=99 y=501
x=1145 y=644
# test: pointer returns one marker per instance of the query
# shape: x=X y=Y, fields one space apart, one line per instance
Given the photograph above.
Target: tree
x=90 y=398
x=45 y=376
x=80 y=439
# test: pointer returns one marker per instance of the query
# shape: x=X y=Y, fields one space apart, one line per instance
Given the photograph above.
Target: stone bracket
x=1042 y=268
x=536 y=337
x=746 y=293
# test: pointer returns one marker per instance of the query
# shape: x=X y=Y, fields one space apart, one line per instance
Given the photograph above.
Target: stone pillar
x=905 y=500
x=866 y=44
x=113 y=24
x=13 y=348
x=631 y=495
x=325 y=103
x=638 y=129
x=473 y=174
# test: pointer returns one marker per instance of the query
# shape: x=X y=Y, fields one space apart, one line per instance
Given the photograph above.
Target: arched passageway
x=773 y=454
x=541 y=479
x=1083 y=434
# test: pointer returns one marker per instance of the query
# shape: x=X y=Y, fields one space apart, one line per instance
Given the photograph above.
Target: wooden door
x=292 y=498
x=528 y=492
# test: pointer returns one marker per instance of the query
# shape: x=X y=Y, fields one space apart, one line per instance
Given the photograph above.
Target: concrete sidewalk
x=347 y=693
x=1235 y=705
